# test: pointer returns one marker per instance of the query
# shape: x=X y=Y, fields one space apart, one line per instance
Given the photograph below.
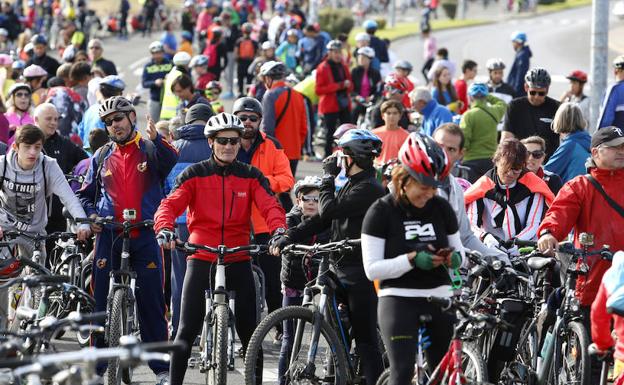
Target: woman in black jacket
x=367 y=83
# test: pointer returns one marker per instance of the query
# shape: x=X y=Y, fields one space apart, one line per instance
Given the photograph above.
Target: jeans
x=287 y=336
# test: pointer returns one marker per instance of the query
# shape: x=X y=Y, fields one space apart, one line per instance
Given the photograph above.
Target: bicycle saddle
x=540 y=263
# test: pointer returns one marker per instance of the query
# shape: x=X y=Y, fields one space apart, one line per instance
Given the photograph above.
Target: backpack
x=150 y=149
x=246 y=49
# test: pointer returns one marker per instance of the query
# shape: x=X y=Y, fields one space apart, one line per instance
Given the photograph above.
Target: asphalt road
x=560 y=42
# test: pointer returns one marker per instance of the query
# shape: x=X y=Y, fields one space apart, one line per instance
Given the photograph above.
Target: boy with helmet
x=410 y=240
x=496 y=85
x=521 y=63
x=199 y=65
x=153 y=77
x=344 y=212
x=108 y=192
x=402 y=69
x=395 y=88
x=221 y=175
x=212 y=92
x=35 y=76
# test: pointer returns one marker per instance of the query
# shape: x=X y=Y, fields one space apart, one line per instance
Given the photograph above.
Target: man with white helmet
x=170 y=101
x=612 y=110
x=221 y=175
x=153 y=77
x=496 y=86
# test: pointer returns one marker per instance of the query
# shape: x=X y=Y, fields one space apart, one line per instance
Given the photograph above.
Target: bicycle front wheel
x=217 y=371
x=572 y=365
x=263 y=355
x=116 y=328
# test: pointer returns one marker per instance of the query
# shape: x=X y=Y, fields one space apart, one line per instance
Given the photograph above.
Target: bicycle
x=461 y=364
x=218 y=332
x=122 y=316
x=314 y=319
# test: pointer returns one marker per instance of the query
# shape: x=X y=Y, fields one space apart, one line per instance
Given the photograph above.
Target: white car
x=618 y=9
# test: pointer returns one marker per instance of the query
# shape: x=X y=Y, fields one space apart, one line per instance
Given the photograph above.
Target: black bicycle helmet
x=360 y=143
x=39 y=39
x=115 y=104
x=274 y=70
x=537 y=78
x=247 y=104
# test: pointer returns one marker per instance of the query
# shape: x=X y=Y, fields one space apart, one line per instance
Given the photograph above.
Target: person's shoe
x=278 y=338
x=162 y=378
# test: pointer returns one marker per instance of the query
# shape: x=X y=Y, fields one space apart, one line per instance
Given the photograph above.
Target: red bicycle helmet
x=395 y=83
x=424 y=160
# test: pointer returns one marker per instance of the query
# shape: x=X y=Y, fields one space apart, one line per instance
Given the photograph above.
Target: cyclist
x=221 y=175
x=107 y=192
x=520 y=66
x=579 y=205
x=575 y=93
x=183 y=88
x=611 y=110
x=28 y=179
x=170 y=101
x=367 y=82
x=433 y=113
x=479 y=124
x=533 y=114
x=409 y=240
x=199 y=64
x=344 y=212
x=536 y=147
x=508 y=201
x=40 y=56
x=265 y=153
x=213 y=92
x=153 y=77
x=395 y=88
x=380 y=47
x=496 y=85
x=403 y=69
x=391 y=134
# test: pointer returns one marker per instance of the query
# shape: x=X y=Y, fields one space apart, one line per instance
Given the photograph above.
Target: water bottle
x=547 y=344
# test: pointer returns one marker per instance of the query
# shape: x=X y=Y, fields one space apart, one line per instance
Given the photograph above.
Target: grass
x=542 y=8
x=407 y=29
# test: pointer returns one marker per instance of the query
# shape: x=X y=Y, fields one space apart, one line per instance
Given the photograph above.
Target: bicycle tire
x=217 y=373
x=116 y=326
x=477 y=363
x=577 y=344
x=384 y=377
x=294 y=313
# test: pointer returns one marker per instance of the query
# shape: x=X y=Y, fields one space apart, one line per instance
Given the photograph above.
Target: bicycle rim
x=116 y=329
x=217 y=371
x=263 y=354
x=573 y=366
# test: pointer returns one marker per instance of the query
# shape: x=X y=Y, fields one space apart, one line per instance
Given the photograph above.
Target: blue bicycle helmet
x=198 y=61
x=369 y=24
x=186 y=35
x=478 y=90
x=360 y=143
x=519 y=37
x=113 y=81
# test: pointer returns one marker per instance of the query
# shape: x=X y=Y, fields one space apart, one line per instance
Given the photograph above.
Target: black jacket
x=292 y=274
x=46 y=62
x=344 y=212
x=106 y=65
x=374 y=77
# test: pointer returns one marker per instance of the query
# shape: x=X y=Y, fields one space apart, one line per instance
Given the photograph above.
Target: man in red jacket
x=218 y=194
x=580 y=206
x=333 y=86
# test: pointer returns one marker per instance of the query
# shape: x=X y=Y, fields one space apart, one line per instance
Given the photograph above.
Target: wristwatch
x=544 y=232
x=279 y=231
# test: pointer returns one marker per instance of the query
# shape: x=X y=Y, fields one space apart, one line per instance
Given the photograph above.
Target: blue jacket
x=519 y=68
x=153 y=71
x=90 y=121
x=192 y=147
x=569 y=159
x=434 y=115
x=612 y=109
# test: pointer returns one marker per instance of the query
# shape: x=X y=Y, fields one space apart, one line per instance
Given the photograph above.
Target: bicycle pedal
x=192 y=362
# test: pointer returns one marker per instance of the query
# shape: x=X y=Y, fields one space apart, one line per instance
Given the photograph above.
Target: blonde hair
x=535 y=140
x=568 y=118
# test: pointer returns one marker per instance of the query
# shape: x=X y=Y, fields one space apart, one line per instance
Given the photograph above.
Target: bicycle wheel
x=473 y=365
x=263 y=355
x=572 y=364
x=384 y=378
x=217 y=371
x=116 y=329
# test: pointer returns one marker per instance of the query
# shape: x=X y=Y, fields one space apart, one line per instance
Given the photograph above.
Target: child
x=287 y=51
x=213 y=90
x=186 y=44
x=199 y=64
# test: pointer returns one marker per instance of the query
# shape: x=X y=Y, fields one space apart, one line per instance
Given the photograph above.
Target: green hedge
x=336 y=21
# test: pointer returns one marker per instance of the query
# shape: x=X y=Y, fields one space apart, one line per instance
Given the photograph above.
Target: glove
x=165 y=237
x=491 y=241
x=423 y=260
x=455 y=260
x=330 y=166
x=280 y=241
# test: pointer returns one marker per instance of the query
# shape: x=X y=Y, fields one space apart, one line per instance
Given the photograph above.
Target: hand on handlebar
x=166 y=238
x=83 y=233
x=277 y=243
x=547 y=244
x=95 y=227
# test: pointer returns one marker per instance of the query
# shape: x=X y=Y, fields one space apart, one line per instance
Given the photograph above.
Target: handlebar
x=36 y=280
x=320 y=247
x=463 y=308
x=192 y=248
x=109 y=221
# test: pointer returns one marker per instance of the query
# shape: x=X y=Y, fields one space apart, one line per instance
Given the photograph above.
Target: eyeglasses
x=514 y=171
x=95 y=47
x=536 y=154
x=538 y=93
x=22 y=95
x=116 y=118
x=308 y=198
x=223 y=140
x=251 y=118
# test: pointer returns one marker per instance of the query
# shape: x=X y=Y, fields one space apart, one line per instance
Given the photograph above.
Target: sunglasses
x=22 y=95
x=223 y=141
x=244 y=118
x=116 y=118
x=308 y=198
x=536 y=154
x=538 y=93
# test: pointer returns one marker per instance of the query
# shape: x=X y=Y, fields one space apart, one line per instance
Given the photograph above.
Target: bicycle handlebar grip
x=15 y=363
x=525 y=243
x=92 y=317
x=36 y=280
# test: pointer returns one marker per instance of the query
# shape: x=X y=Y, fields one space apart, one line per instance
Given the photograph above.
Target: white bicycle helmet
x=156 y=46
x=495 y=64
x=115 y=104
x=309 y=182
x=181 y=59
x=223 y=122
x=366 y=51
x=34 y=71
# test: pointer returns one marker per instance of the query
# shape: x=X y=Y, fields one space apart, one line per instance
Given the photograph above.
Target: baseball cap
x=577 y=75
x=610 y=136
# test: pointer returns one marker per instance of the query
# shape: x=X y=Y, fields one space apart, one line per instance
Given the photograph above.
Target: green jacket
x=479 y=126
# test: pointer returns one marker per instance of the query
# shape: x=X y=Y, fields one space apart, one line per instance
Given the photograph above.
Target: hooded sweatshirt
x=569 y=159
x=23 y=204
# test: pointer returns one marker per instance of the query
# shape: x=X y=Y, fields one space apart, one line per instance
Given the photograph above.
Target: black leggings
x=271 y=267
x=239 y=279
x=399 y=323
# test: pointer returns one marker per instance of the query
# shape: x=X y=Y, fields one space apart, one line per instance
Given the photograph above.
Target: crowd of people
x=419 y=170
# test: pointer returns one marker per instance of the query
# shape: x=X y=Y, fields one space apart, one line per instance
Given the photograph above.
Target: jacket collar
x=364 y=174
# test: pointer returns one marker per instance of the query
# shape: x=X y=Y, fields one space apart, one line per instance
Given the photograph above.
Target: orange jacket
x=275 y=166
x=293 y=127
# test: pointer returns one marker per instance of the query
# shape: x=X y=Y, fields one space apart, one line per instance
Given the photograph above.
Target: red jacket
x=326 y=88
x=580 y=207
x=275 y=166
x=219 y=201
x=601 y=325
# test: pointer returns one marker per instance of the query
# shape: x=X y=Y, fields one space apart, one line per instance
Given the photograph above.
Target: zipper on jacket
x=231 y=205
